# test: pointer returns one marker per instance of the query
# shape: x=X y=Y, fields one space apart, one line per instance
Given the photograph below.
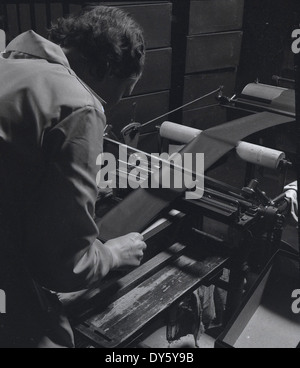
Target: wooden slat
x=75 y=8
x=154 y=18
x=156 y=22
x=56 y=11
x=118 y=287
x=197 y=85
x=66 y=8
x=157 y=74
x=12 y=21
x=213 y=51
x=25 y=17
x=33 y=15
x=125 y=318
x=3 y=17
x=215 y=16
x=48 y=13
x=41 y=19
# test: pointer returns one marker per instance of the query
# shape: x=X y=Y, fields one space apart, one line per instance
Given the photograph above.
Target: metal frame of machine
x=185 y=251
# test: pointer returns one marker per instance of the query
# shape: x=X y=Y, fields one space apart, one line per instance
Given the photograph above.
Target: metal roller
x=252 y=153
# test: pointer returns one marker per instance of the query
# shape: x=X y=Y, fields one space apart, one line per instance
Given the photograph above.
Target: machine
x=190 y=242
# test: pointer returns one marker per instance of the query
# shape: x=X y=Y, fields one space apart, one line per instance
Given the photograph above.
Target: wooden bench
x=119 y=311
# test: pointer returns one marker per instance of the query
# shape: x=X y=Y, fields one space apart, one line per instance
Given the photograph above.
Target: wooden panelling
x=207 y=47
x=155 y=20
x=75 y=8
x=197 y=85
x=56 y=11
x=25 y=17
x=213 y=51
x=157 y=73
x=12 y=16
x=41 y=21
x=154 y=17
x=152 y=92
x=215 y=16
x=3 y=17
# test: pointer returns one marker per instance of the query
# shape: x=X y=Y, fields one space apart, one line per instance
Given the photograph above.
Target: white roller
x=252 y=153
x=263 y=91
x=259 y=155
x=178 y=133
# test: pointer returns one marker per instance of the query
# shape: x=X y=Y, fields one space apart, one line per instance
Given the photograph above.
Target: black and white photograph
x=149 y=170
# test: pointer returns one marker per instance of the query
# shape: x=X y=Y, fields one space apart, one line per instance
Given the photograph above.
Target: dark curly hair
x=107 y=37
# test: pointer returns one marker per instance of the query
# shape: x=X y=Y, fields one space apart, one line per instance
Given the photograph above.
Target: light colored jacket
x=51 y=133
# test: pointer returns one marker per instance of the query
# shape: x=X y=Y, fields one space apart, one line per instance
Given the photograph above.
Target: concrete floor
x=158 y=340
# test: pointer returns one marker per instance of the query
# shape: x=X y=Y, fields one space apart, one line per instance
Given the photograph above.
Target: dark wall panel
x=157 y=73
x=213 y=51
x=266 y=50
x=215 y=16
x=154 y=17
x=152 y=93
x=197 y=85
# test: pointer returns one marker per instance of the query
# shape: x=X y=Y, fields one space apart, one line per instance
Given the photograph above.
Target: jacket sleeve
x=61 y=235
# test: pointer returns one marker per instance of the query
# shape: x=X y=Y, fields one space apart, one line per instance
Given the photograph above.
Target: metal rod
x=182 y=107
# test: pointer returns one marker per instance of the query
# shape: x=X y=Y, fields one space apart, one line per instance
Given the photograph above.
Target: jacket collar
x=30 y=43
